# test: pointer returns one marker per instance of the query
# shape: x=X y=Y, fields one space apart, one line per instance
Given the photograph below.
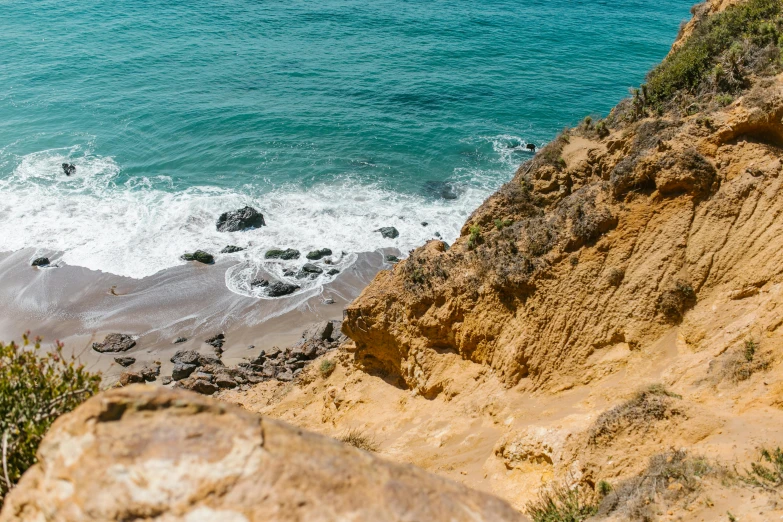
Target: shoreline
x=76 y=306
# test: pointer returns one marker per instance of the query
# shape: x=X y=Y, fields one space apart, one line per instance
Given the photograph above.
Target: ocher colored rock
x=157 y=454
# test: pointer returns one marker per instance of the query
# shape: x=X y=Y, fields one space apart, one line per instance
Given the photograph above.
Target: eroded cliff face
x=608 y=236
x=612 y=312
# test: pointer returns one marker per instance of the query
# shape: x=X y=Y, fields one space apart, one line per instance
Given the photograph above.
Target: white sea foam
x=141 y=226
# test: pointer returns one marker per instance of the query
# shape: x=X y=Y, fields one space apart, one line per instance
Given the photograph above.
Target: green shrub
x=601 y=129
x=36 y=387
x=326 y=368
x=560 y=503
x=768 y=472
x=719 y=43
x=500 y=223
x=475 y=237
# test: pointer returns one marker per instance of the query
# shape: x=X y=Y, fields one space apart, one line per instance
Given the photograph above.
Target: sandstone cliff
x=142 y=453
x=611 y=315
x=610 y=235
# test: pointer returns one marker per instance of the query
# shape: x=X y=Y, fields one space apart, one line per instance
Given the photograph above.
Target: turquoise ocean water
x=333 y=117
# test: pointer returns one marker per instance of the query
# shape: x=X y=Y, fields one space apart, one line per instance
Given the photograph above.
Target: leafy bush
x=560 y=503
x=326 y=368
x=717 y=52
x=769 y=475
x=475 y=238
x=358 y=439
x=36 y=387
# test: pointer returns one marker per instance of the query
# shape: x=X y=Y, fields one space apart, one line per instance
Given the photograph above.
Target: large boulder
x=287 y=254
x=241 y=219
x=310 y=271
x=279 y=289
x=200 y=256
x=389 y=232
x=115 y=342
x=158 y=454
x=182 y=371
x=315 y=255
x=443 y=189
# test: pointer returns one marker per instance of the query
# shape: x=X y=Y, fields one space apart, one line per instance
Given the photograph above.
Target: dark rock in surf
x=200 y=256
x=332 y=272
x=230 y=249
x=279 y=289
x=239 y=220
x=392 y=259
x=531 y=147
x=69 y=169
x=388 y=232
x=424 y=223
x=309 y=270
x=40 y=261
x=259 y=283
x=443 y=189
x=315 y=255
x=115 y=342
x=180 y=340
x=287 y=254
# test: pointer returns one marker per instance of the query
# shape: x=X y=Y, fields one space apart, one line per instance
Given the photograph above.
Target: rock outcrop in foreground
x=144 y=453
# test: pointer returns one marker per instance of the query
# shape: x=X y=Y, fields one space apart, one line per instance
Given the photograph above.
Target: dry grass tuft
x=559 y=502
x=359 y=439
x=651 y=404
x=669 y=477
x=744 y=362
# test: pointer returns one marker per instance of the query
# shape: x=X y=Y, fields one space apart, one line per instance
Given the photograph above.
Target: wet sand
x=80 y=306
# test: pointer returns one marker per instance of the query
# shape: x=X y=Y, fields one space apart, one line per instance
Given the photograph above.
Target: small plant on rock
x=326 y=368
x=475 y=238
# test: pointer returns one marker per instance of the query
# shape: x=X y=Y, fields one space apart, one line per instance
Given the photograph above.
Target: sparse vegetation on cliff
x=651 y=404
x=669 y=476
x=359 y=439
x=560 y=503
x=36 y=387
x=717 y=59
x=768 y=472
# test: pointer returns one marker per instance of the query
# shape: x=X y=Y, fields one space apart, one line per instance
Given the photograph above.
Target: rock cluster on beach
x=207 y=374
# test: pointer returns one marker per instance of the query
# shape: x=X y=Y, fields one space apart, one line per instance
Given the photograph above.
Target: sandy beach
x=80 y=306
